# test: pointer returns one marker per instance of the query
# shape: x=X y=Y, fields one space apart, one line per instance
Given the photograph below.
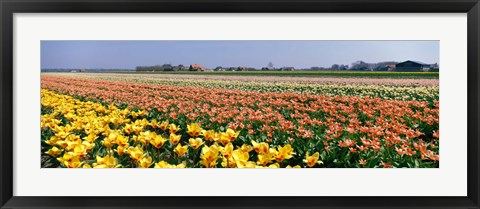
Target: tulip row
x=78 y=134
x=384 y=91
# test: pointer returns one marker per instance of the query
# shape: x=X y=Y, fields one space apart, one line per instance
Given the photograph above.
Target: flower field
x=135 y=121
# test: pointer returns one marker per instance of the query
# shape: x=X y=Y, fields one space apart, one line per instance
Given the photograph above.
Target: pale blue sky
x=298 y=54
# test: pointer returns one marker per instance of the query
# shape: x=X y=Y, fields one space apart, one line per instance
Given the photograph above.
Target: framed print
x=265 y=104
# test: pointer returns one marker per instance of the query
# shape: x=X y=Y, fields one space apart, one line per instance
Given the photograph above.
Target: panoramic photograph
x=239 y=104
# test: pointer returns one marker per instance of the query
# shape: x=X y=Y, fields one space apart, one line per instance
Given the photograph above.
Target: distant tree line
x=269 y=67
x=355 y=66
x=169 y=67
x=379 y=66
x=220 y=68
x=80 y=70
x=364 y=66
x=164 y=67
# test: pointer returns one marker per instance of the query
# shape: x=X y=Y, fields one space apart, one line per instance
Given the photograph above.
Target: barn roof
x=196 y=65
x=418 y=62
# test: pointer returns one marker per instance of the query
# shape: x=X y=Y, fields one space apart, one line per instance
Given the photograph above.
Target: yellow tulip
x=195 y=143
x=181 y=165
x=260 y=148
x=112 y=107
x=209 y=156
x=125 y=111
x=250 y=164
x=158 y=141
x=72 y=141
x=116 y=120
x=52 y=141
x=61 y=143
x=110 y=140
x=181 y=150
x=227 y=150
x=137 y=128
x=275 y=165
x=106 y=162
x=173 y=128
x=246 y=148
x=154 y=123
x=312 y=160
x=88 y=145
x=121 y=150
x=136 y=153
x=164 y=125
x=209 y=135
x=80 y=150
x=223 y=138
x=228 y=162
x=264 y=159
x=122 y=140
x=145 y=162
x=90 y=138
x=163 y=164
x=147 y=136
x=62 y=132
x=194 y=129
x=70 y=160
x=240 y=157
x=231 y=134
x=175 y=138
x=69 y=116
x=54 y=152
x=105 y=129
x=285 y=152
x=128 y=129
x=143 y=137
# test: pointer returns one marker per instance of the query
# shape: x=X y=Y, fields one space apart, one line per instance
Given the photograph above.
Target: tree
x=270 y=66
x=335 y=67
x=218 y=68
x=166 y=67
x=360 y=65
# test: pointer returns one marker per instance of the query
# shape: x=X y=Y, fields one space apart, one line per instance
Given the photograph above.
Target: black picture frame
x=10 y=7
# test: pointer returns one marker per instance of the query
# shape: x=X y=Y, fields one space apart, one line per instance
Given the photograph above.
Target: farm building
x=241 y=68
x=179 y=68
x=196 y=67
x=390 y=67
x=287 y=69
x=412 y=66
x=219 y=68
x=166 y=67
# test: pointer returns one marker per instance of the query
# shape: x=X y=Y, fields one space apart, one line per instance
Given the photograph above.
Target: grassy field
x=428 y=75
